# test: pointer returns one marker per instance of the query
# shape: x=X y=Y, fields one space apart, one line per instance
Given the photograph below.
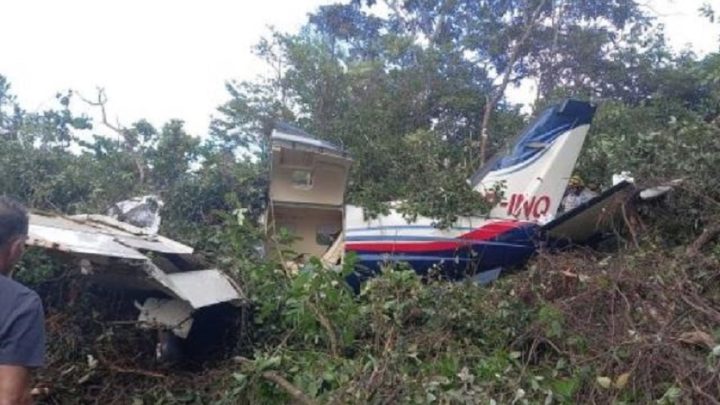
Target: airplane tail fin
x=535 y=172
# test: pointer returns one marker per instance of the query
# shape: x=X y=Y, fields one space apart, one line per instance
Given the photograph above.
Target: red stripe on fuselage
x=486 y=232
x=490 y=230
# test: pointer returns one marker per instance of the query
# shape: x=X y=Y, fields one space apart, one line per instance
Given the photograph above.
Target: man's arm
x=14 y=385
x=22 y=348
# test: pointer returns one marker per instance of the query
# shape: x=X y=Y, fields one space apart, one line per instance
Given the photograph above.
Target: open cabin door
x=308 y=178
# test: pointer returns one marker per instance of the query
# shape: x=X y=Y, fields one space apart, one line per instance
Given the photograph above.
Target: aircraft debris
x=143 y=212
x=122 y=256
x=309 y=177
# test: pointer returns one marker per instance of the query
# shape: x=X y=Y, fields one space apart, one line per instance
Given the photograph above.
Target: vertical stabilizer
x=536 y=170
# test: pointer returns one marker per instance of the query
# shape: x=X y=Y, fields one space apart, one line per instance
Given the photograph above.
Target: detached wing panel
x=99 y=246
x=53 y=236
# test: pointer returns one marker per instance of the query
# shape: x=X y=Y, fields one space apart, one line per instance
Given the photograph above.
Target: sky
x=163 y=59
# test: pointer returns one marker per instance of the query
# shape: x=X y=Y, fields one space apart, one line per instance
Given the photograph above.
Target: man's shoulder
x=14 y=291
x=22 y=330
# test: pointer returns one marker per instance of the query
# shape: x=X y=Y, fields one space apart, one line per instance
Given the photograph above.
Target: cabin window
x=302 y=179
x=326 y=234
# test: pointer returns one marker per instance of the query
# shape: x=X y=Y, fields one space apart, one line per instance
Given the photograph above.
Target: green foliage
x=452 y=197
x=36 y=266
x=404 y=94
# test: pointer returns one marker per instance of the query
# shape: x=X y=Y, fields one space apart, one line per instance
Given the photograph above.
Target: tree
x=548 y=40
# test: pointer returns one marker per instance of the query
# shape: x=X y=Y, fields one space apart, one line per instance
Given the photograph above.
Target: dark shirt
x=22 y=325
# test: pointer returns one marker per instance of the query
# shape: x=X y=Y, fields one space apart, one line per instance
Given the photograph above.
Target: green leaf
x=565 y=387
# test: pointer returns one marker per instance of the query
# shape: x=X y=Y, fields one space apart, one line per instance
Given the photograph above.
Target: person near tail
x=22 y=330
x=576 y=194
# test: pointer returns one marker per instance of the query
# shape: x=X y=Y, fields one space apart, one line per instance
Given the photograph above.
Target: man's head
x=576 y=184
x=13 y=232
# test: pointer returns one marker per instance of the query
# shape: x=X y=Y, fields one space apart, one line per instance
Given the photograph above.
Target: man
x=576 y=194
x=22 y=331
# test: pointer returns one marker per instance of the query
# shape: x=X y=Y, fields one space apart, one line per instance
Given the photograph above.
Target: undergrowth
x=638 y=325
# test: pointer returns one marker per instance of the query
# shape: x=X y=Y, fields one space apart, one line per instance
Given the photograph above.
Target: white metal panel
x=203 y=288
x=86 y=236
x=97 y=234
x=161 y=245
x=74 y=241
x=173 y=314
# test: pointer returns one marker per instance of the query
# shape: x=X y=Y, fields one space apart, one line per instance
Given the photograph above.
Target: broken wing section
x=119 y=256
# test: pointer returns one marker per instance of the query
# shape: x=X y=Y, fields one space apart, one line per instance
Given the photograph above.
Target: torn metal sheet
x=95 y=234
x=141 y=211
x=57 y=233
x=175 y=315
x=653 y=193
x=98 y=241
x=202 y=288
x=133 y=236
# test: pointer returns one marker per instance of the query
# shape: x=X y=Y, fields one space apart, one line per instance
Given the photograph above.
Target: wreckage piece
x=308 y=182
x=308 y=178
x=143 y=212
x=653 y=193
x=175 y=314
x=121 y=256
x=591 y=219
x=604 y=214
x=532 y=175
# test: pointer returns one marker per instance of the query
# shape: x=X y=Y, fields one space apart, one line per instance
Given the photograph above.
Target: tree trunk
x=550 y=61
x=499 y=91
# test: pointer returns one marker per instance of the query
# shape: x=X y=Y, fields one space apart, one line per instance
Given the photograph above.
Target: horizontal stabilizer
x=600 y=214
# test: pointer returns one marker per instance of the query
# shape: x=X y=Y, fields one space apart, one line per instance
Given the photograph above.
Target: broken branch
x=124 y=370
x=118 y=129
x=706 y=236
x=325 y=322
x=280 y=381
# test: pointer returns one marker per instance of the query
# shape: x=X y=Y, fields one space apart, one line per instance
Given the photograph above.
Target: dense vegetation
x=417 y=95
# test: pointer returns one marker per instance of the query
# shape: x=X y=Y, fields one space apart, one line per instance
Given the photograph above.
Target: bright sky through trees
x=166 y=59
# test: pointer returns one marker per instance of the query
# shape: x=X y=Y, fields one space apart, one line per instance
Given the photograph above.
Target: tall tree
x=514 y=40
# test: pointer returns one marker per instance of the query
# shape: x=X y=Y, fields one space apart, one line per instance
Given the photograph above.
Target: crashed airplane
x=307 y=198
x=309 y=176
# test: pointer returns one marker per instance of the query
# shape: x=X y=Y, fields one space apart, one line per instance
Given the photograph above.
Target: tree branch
x=122 y=132
x=280 y=381
x=499 y=91
x=325 y=322
x=706 y=236
x=557 y=16
x=125 y=370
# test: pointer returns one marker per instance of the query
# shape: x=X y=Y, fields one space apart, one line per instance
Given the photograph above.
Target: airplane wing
x=118 y=255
